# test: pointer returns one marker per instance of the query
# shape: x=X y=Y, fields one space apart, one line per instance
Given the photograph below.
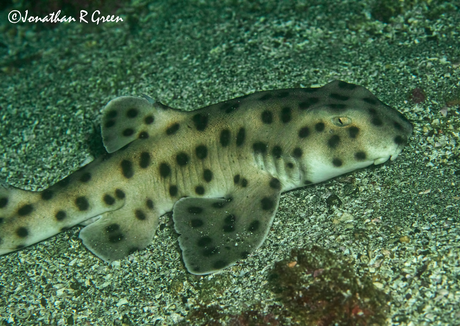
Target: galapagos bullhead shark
x=220 y=170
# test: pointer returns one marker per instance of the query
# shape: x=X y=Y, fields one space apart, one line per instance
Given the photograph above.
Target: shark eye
x=341 y=121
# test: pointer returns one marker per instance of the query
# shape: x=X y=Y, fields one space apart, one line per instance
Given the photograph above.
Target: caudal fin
x=15 y=206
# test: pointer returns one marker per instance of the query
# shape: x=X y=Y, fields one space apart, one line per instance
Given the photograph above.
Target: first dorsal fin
x=128 y=118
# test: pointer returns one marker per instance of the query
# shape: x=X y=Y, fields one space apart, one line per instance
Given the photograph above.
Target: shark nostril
x=399 y=140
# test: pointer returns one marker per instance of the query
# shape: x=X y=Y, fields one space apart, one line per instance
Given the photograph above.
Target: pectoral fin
x=217 y=232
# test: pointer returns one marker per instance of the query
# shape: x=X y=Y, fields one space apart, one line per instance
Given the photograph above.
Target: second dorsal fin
x=127 y=118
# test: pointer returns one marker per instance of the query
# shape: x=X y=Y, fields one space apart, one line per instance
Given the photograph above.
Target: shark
x=220 y=169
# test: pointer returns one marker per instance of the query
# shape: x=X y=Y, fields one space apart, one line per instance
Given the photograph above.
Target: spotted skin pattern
x=220 y=169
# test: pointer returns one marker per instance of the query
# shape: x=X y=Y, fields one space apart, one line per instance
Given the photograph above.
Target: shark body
x=220 y=169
